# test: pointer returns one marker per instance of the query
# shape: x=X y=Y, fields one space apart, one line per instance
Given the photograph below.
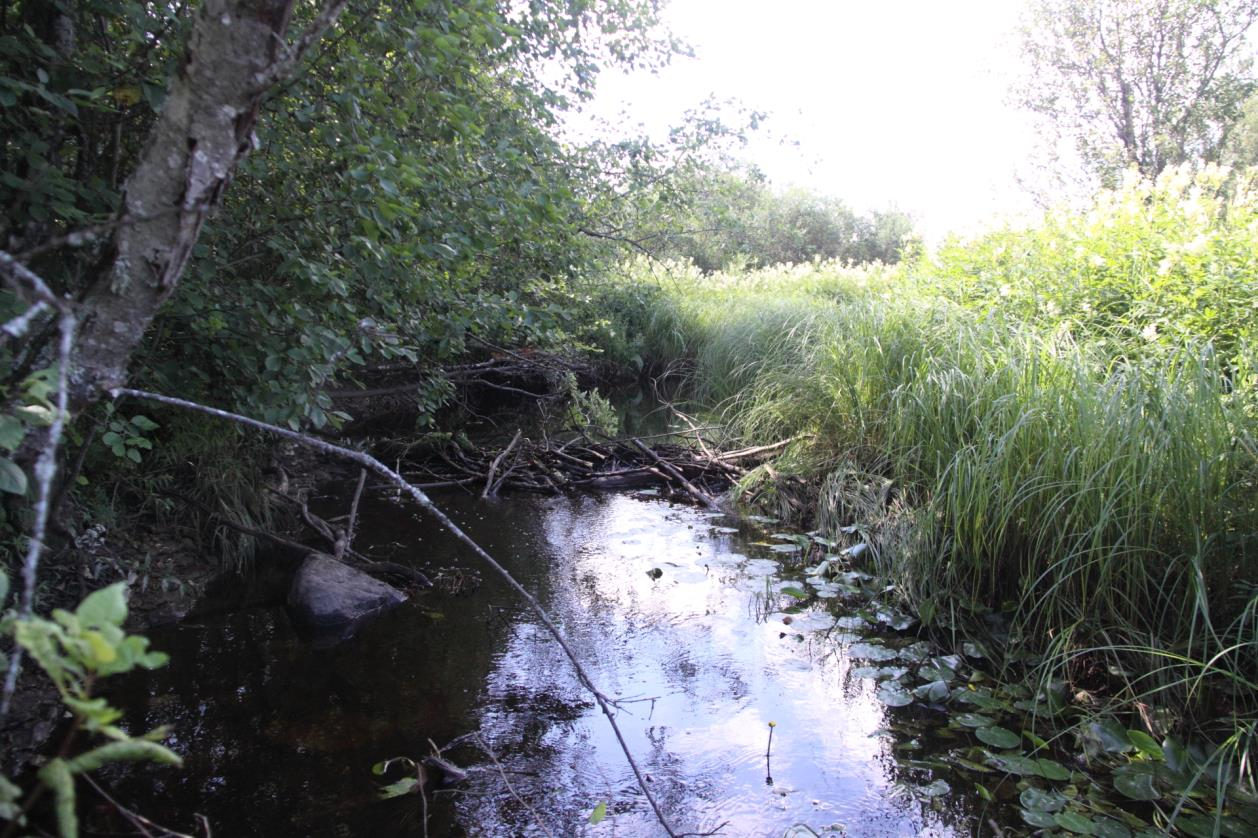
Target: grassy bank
x=1047 y=436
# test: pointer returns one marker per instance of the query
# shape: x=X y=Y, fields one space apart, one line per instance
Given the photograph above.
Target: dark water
x=280 y=735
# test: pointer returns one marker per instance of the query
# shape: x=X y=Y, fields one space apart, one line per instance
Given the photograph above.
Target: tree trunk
x=204 y=130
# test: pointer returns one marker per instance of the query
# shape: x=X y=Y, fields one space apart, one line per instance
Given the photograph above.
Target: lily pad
x=998 y=737
x=1110 y=828
x=1051 y=769
x=935 y=691
x=974 y=720
x=872 y=652
x=1135 y=782
x=892 y=694
x=785 y=548
x=725 y=530
x=1043 y=820
x=935 y=789
x=1076 y=823
x=1110 y=736
x=1145 y=744
x=1042 y=801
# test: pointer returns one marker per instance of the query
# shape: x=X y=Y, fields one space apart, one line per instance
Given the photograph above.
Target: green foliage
x=1154 y=265
x=1052 y=427
x=76 y=649
x=733 y=218
x=1134 y=85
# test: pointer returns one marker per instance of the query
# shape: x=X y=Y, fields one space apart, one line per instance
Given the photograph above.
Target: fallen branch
x=759 y=449
x=347 y=535
x=490 y=488
x=699 y=495
x=371 y=463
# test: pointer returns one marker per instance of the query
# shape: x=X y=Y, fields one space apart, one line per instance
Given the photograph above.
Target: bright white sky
x=898 y=103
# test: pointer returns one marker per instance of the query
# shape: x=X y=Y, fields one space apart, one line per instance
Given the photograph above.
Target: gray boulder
x=327 y=593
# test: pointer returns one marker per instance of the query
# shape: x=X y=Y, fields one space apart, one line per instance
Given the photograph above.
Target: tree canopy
x=1138 y=83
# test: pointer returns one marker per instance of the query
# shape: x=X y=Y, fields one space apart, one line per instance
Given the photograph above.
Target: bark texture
x=204 y=130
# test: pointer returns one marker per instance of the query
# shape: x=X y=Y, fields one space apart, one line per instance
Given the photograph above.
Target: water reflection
x=280 y=736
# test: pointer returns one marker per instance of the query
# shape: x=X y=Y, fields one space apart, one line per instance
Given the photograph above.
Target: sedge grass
x=1108 y=497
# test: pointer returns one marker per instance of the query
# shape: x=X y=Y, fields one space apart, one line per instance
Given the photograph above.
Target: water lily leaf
x=783 y=536
x=1135 y=782
x=1110 y=828
x=761 y=519
x=897 y=620
x=871 y=651
x=1013 y=764
x=1075 y=822
x=937 y=673
x=1202 y=826
x=725 y=530
x=970 y=765
x=1042 y=801
x=974 y=720
x=1044 y=820
x=1111 y=736
x=982 y=700
x=1051 y=769
x=792 y=591
x=1145 y=744
x=934 y=691
x=892 y=694
x=935 y=789
x=998 y=737
x=916 y=652
x=785 y=548
x=973 y=650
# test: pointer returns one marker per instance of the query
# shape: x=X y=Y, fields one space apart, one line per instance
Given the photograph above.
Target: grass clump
x=1053 y=426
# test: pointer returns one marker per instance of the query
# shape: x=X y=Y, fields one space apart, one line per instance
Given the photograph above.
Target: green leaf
x=4 y=587
x=130 y=750
x=975 y=720
x=404 y=786
x=56 y=775
x=892 y=694
x=998 y=737
x=1075 y=822
x=1043 y=820
x=11 y=432
x=1051 y=769
x=106 y=607
x=1136 y=782
x=1111 y=736
x=1146 y=744
x=1042 y=801
x=599 y=813
x=795 y=592
x=12 y=478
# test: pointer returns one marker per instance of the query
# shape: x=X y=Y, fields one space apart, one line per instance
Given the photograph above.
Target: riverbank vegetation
x=1048 y=436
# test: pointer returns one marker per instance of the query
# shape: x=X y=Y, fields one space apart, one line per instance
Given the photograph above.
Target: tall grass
x=1101 y=495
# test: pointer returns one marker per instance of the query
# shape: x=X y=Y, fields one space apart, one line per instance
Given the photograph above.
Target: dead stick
x=760 y=449
x=367 y=461
x=493 y=467
x=347 y=535
x=701 y=496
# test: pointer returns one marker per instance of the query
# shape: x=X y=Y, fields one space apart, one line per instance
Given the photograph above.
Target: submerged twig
x=371 y=463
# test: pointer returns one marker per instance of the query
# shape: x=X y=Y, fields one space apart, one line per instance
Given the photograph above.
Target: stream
x=280 y=734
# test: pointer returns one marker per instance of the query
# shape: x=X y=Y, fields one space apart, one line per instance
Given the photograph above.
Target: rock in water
x=327 y=594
